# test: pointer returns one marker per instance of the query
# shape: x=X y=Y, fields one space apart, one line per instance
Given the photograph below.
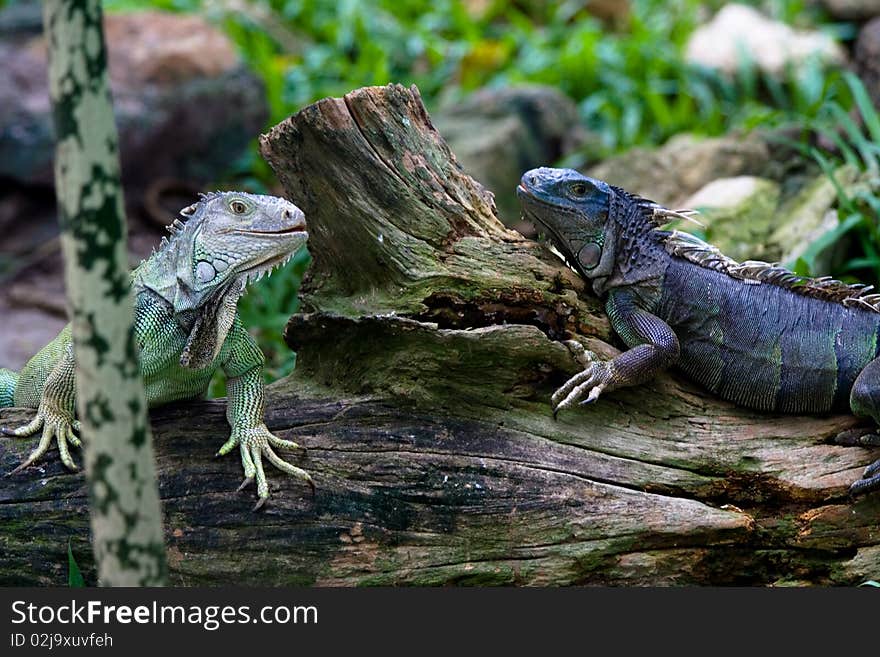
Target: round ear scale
x=205 y=272
x=589 y=255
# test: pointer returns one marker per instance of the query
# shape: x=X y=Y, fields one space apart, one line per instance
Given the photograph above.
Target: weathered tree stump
x=426 y=358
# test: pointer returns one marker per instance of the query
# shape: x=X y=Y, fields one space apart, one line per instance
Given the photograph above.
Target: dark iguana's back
x=764 y=346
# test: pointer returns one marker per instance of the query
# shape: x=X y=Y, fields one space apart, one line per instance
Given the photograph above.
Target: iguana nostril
x=533 y=180
x=287 y=214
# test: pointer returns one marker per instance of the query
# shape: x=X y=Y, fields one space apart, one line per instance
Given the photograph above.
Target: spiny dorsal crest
x=176 y=227
x=756 y=272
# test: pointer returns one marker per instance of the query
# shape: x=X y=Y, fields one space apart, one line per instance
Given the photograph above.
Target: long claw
x=256 y=443
x=25 y=464
x=65 y=436
x=570 y=385
x=16 y=470
x=594 y=394
x=262 y=483
x=27 y=430
x=247 y=462
x=284 y=466
x=280 y=443
x=593 y=380
x=576 y=393
x=227 y=447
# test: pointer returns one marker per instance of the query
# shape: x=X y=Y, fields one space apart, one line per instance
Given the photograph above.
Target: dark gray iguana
x=187 y=326
x=752 y=333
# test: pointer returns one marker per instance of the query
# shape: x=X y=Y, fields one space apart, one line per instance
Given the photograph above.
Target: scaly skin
x=752 y=333
x=187 y=327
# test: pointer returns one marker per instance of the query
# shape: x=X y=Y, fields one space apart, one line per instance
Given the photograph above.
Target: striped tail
x=8 y=381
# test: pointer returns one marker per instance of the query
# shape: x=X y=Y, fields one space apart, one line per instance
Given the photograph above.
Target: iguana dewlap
x=752 y=333
x=187 y=327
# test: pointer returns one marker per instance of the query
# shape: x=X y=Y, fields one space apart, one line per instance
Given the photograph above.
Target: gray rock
x=747 y=219
x=20 y=17
x=772 y=46
x=806 y=217
x=849 y=10
x=497 y=134
x=185 y=104
x=738 y=214
x=675 y=171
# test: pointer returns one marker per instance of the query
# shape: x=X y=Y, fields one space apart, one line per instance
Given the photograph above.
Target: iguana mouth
x=284 y=231
x=557 y=245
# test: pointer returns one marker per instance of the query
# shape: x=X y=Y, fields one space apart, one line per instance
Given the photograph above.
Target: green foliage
x=858 y=206
x=628 y=76
x=74 y=576
x=631 y=81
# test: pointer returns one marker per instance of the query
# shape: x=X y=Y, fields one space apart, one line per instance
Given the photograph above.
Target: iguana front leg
x=55 y=414
x=244 y=372
x=653 y=347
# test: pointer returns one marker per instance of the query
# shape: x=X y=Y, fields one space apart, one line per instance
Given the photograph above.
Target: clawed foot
x=54 y=425
x=255 y=443
x=870 y=480
x=858 y=437
x=597 y=375
x=862 y=437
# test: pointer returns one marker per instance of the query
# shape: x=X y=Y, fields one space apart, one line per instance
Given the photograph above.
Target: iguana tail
x=8 y=381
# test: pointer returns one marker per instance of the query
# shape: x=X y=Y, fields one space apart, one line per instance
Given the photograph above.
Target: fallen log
x=427 y=352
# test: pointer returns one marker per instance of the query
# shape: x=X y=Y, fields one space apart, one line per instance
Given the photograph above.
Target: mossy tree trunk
x=124 y=502
x=427 y=353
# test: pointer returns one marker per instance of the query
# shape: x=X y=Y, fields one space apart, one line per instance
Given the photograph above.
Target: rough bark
x=427 y=354
x=125 y=512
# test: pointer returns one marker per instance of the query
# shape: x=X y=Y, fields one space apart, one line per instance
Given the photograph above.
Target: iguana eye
x=238 y=207
x=579 y=189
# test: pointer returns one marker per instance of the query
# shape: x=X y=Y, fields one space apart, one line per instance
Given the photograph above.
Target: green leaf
x=74 y=576
x=870 y=582
x=801 y=267
x=826 y=239
x=866 y=107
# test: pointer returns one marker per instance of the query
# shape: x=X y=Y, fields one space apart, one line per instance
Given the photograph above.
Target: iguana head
x=226 y=240
x=574 y=210
x=238 y=237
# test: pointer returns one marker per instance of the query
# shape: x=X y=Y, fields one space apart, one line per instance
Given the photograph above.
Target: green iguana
x=752 y=333
x=187 y=326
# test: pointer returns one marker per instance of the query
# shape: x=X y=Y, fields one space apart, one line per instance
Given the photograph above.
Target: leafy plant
x=630 y=79
x=632 y=83
x=74 y=576
x=858 y=206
